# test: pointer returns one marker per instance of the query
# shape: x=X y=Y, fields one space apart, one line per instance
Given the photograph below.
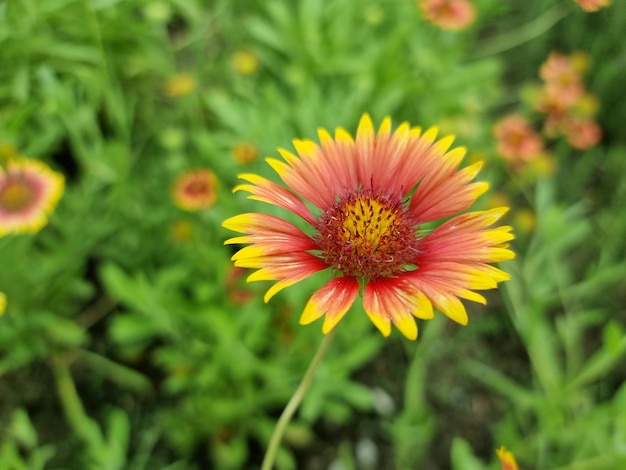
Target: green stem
x=294 y=402
x=75 y=414
x=529 y=31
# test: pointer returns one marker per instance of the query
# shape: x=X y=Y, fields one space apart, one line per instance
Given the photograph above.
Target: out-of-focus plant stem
x=517 y=37
x=72 y=406
x=294 y=402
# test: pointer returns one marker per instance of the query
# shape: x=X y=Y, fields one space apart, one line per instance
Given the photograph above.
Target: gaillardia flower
x=516 y=139
x=29 y=192
x=448 y=14
x=366 y=202
x=195 y=189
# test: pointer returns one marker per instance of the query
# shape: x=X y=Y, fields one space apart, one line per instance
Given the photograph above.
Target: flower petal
x=444 y=194
x=334 y=300
x=467 y=239
x=287 y=268
x=394 y=300
x=265 y=190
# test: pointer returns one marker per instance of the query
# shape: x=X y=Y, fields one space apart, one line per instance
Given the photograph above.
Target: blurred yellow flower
x=524 y=220
x=580 y=60
x=587 y=105
x=506 y=459
x=181 y=230
x=244 y=62
x=448 y=14
x=195 y=189
x=181 y=84
x=245 y=152
x=29 y=192
x=497 y=199
x=542 y=166
x=3 y=302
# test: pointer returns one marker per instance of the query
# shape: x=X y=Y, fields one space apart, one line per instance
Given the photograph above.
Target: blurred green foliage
x=129 y=341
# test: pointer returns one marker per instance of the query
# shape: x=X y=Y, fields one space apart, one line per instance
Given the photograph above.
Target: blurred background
x=129 y=341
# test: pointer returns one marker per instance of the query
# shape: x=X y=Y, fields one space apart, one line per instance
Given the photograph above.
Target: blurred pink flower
x=448 y=14
x=593 y=5
x=582 y=133
x=563 y=81
x=516 y=139
x=29 y=192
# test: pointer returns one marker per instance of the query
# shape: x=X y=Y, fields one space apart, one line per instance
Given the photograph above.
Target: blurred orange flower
x=245 y=152
x=29 y=192
x=582 y=133
x=195 y=189
x=524 y=220
x=565 y=101
x=448 y=14
x=179 y=85
x=593 y=5
x=516 y=139
x=563 y=81
x=542 y=166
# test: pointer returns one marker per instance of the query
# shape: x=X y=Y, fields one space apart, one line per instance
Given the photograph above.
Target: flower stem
x=525 y=33
x=294 y=402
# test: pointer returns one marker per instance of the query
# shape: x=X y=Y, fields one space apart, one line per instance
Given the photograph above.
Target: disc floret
x=367 y=235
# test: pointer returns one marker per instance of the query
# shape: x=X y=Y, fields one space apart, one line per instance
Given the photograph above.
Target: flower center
x=198 y=189
x=16 y=196
x=367 y=235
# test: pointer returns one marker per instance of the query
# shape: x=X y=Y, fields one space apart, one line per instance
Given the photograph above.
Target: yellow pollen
x=367 y=225
x=367 y=235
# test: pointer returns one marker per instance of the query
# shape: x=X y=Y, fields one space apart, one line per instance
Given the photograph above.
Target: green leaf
x=463 y=457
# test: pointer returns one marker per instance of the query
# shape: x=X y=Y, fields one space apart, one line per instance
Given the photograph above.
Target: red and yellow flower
x=372 y=198
x=29 y=192
x=195 y=189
